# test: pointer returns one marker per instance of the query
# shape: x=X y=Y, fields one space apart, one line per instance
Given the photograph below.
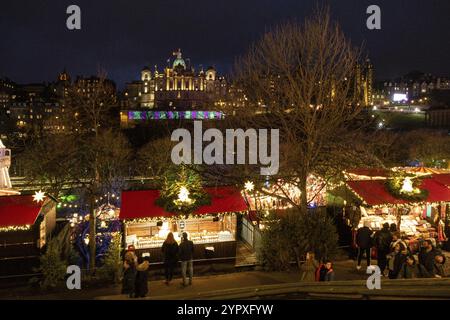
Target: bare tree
x=153 y=158
x=89 y=154
x=298 y=78
x=102 y=152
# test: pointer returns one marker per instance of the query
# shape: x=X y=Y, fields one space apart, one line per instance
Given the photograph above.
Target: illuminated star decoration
x=183 y=195
x=38 y=196
x=249 y=186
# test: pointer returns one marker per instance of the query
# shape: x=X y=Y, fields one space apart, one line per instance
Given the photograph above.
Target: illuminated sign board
x=400 y=97
x=173 y=115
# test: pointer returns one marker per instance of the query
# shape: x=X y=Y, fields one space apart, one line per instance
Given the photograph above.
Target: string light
x=180 y=217
x=15 y=228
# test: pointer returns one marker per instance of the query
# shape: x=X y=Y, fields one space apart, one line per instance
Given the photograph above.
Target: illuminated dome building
x=178 y=87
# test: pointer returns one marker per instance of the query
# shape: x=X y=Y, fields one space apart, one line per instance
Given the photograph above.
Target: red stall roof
x=374 y=192
x=141 y=204
x=443 y=178
x=18 y=210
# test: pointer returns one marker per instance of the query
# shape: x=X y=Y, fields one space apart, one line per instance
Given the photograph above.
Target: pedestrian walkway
x=345 y=271
x=245 y=255
x=158 y=290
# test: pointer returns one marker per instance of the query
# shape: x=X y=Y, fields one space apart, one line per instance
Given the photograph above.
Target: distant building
x=417 y=87
x=178 y=87
x=177 y=92
x=364 y=83
x=26 y=108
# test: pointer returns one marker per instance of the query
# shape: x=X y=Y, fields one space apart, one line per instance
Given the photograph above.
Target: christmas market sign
x=404 y=186
x=182 y=191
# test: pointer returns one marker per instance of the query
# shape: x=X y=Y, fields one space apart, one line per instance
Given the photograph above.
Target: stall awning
x=141 y=204
x=443 y=178
x=374 y=192
x=366 y=173
x=18 y=210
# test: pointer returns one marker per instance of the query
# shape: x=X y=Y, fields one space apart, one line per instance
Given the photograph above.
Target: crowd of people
x=135 y=275
x=394 y=257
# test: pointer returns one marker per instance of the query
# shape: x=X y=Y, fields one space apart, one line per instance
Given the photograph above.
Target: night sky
x=122 y=36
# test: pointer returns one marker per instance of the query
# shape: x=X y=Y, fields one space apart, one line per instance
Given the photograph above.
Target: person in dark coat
x=364 y=243
x=393 y=228
x=427 y=256
x=141 y=286
x=187 y=257
x=170 y=253
x=327 y=272
x=409 y=269
x=383 y=239
x=129 y=276
x=396 y=259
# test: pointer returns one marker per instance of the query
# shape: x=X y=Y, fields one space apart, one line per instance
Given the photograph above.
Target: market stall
x=418 y=208
x=25 y=227
x=212 y=227
x=276 y=196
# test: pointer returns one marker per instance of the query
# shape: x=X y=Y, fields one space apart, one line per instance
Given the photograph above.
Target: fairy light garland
x=15 y=228
x=180 y=217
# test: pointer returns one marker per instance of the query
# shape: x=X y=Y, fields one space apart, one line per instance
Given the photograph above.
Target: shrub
x=112 y=262
x=289 y=237
x=52 y=267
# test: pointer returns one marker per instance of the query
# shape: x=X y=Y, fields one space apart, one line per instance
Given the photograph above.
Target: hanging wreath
x=182 y=191
x=406 y=186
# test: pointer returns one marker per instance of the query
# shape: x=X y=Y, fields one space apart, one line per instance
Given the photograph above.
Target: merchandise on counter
x=197 y=238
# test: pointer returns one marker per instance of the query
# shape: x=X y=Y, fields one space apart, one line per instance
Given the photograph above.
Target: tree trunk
x=399 y=218
x=303 y=195
x=92 y=235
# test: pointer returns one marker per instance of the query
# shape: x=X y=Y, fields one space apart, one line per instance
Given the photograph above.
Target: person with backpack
x=141 y=286
x=383 y=239
x=129 y=274
x=364 y=243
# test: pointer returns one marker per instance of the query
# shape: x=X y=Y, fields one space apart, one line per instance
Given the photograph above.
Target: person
x=427 y=256
x=364 y=243
x=441 y=267
x=186 y=257
x=396 y=259
x=141 y=286
x=170 y=253
x=396 y=239
x=130 y=255
x=383 y=239
x=129 y=274
x=409 y=269
x=327 y=272
x=309 y=268
x=393 y=228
